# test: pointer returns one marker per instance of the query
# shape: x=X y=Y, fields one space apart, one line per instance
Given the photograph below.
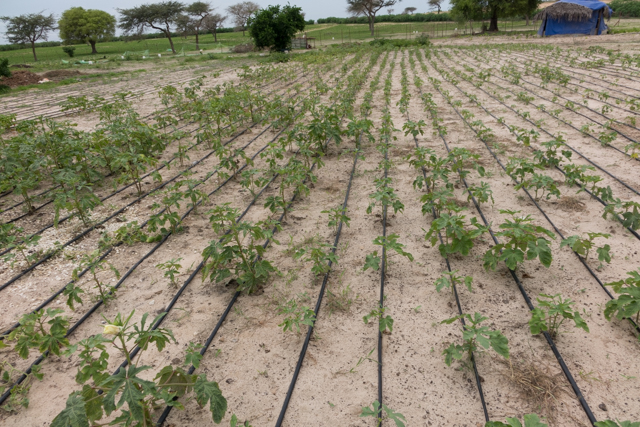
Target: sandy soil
x=253 y=360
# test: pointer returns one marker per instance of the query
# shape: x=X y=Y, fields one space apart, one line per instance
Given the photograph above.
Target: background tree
x=78 y=25
x=212 y=23
x=409 y=10
x=369 y=8
x=199 y=11
x=494 y=9
x=390 y=11
x=184 y=25
x=159 y=16
x=435 y=4
x=29 y=29
x=274 y=27
x=465 y=11
x=241 y=13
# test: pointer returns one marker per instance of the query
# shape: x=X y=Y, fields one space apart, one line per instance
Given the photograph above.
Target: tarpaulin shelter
x=573 y=17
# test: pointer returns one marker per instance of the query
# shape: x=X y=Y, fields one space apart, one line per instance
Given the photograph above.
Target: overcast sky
x=314 y=9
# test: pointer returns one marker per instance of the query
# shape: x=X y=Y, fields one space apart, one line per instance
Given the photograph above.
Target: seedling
x=472 y=335
x=377 y=412
x=450 y=279
x=616 y=423
x=236 y=423
x=390 y=242
x=171 y=269
x=530 y=420
x=555 y=310
x=320 y=254
x=9 y=240
x=95 y=265
x=522 y=238
x=296 y=316
x=482 y=193
x=140 y=395
x=18 y=397
x=583 y=245
x=457 y=239
x=385 y=195
x=627 y=305
x=384 y=322
x=337 y=216
x=542 y=184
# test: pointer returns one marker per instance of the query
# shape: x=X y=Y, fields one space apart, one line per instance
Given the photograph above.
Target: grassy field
x=51 y=57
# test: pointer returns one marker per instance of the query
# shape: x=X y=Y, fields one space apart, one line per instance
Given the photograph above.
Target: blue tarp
x=552 y=27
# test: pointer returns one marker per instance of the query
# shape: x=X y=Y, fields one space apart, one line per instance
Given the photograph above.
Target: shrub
x=69 y=50
x=628 y=8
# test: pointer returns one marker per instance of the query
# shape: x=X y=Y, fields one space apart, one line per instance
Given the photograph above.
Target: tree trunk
x=527 y=16
x=371 y=25
x=33 y=48
x=93 y=46
x=438 y=9
x=215 y=36
x=170 y=41
x=493 y=25
x=197 y=41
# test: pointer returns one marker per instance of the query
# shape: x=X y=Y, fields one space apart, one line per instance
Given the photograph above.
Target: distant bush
x=243 y=48
x=69 y=50
x=628 y=8
x=279 y=57
x=422 y=40
x=417 y=17
x=8 y=47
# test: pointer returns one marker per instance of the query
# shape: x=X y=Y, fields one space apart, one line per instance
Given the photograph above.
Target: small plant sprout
x=385 y=195
x=627 y=305
x=296 y=315
x=616 y=423
x=522 y=238
x=171 y=269
x=106 y=393
x=449 y=279
x=457 y=239
x=384 y=322
x=540 y=183
x=18 y=397
x=482 y=193
x=236 y=423
x=530 y=420
x=472 y=335
x=337 y=216
x=552 y=313
x=390 y=242
x=95 y=265
x=583 y=245
x=9 y=240
x=363 y=359
x=376 y=412
x=320 y=254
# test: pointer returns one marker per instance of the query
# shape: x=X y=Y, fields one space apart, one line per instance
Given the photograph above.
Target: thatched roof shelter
x=568 y=12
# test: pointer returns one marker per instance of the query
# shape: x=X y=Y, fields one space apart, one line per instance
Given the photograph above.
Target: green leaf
x=452 y=352
x=537 y=324
x=540 y=248
x=209 y=391
x=603 y=254
x=372 y=261
x=512 y=257
x=386 y=323
x=74 y=414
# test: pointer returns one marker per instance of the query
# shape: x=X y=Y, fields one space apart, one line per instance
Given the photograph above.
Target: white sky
x=314 y=9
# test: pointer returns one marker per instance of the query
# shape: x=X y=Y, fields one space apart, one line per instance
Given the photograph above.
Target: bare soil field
x=444 y=230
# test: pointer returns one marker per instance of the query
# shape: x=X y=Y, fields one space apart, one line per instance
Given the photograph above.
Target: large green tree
x=159 y=16
x=199 y=11
x=29 y=29
x=468 y=10
x=274 y=27
x=78 y=25
x=369 y=8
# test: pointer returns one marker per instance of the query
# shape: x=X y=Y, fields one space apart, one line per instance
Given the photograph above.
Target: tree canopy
x=78 y=25
x=369 y=8
x=159 y=16
x=274 y=27
x=474 y=10
x=435 y=4
x=241 y=13
x=212 y=23
x=199 y=11
x=29 y=29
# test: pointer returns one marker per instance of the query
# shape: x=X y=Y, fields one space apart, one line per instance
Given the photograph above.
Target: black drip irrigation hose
x=550 y=342
x=632 y=231
x=573 y=111
x=455 y=291
x=119 y=211
x=383 y=272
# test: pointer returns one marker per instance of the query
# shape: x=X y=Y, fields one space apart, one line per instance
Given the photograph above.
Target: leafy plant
x=530 y=420
x=45 y=330
x=337 y=216
x=171 y=269
x=107 y=394
x=390 y=242
x=555 y=310
x=376 y=410
x=482 y=193
x=472 y=335
x=457 y=239
x=540 y=183
x=384 y=322
x=18 y=397
x=296 y=316
x=10 y=241
x=95 y=265
x=522 y=238
x=385 y=195
x=616 y=423
x=237 y=254
x=627 y=305
x=449 y=279
x=583 y=245
x=320 y=254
